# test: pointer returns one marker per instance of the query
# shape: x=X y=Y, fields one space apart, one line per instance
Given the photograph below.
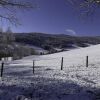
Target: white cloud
x=70 y=31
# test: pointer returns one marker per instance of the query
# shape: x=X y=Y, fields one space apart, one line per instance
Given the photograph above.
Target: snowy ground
x=75 y=82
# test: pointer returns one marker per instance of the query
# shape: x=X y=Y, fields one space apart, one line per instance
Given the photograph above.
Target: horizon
x=56 y=34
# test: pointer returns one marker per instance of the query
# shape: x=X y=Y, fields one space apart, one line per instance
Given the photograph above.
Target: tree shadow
x=22 y=71
x=42 y=88
x=21 y=84
x=18 y=73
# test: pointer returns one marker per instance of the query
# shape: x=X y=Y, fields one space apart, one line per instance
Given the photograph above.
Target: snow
x=74 y=82
x=38 y=50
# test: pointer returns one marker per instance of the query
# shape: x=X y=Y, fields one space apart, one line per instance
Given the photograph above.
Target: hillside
x=74 y=82
x=50 y=42
x=25 y=44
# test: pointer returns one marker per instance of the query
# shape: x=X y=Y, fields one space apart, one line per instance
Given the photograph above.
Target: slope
x=74 y=82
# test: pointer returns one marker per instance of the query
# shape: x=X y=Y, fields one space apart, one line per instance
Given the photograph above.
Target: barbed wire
x=73 y=58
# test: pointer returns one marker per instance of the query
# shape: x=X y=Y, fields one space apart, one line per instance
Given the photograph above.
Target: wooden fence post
x=87 y=61
x=2 y=66
x=33 y=66
x=62 y=63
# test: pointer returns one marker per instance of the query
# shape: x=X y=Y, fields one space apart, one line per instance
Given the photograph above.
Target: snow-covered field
x=74 y=82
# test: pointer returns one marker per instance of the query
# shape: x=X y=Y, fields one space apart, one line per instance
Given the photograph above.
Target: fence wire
x=70 y=63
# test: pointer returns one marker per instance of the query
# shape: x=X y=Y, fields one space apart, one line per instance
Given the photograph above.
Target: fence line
x=61 y=61
x=2 y=67
x=46 y=59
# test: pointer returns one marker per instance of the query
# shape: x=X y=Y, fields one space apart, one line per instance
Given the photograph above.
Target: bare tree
x=86 y=7
x=9 y=9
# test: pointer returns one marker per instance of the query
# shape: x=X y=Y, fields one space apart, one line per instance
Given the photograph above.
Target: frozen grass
x=74 y=82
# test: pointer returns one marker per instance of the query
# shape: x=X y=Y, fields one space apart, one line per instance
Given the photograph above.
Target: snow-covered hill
x=74 y=82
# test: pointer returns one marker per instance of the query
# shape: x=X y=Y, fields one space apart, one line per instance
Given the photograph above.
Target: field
x=49 y=82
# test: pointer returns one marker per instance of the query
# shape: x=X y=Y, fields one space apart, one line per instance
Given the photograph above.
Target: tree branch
x=10 y=8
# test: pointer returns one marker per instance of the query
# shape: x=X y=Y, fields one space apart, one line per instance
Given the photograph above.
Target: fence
x=61 y=63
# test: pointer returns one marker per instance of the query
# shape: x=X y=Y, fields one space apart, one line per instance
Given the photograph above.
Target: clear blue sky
x=55 y=16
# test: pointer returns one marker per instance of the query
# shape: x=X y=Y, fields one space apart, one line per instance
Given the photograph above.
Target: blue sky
x=54 y=17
